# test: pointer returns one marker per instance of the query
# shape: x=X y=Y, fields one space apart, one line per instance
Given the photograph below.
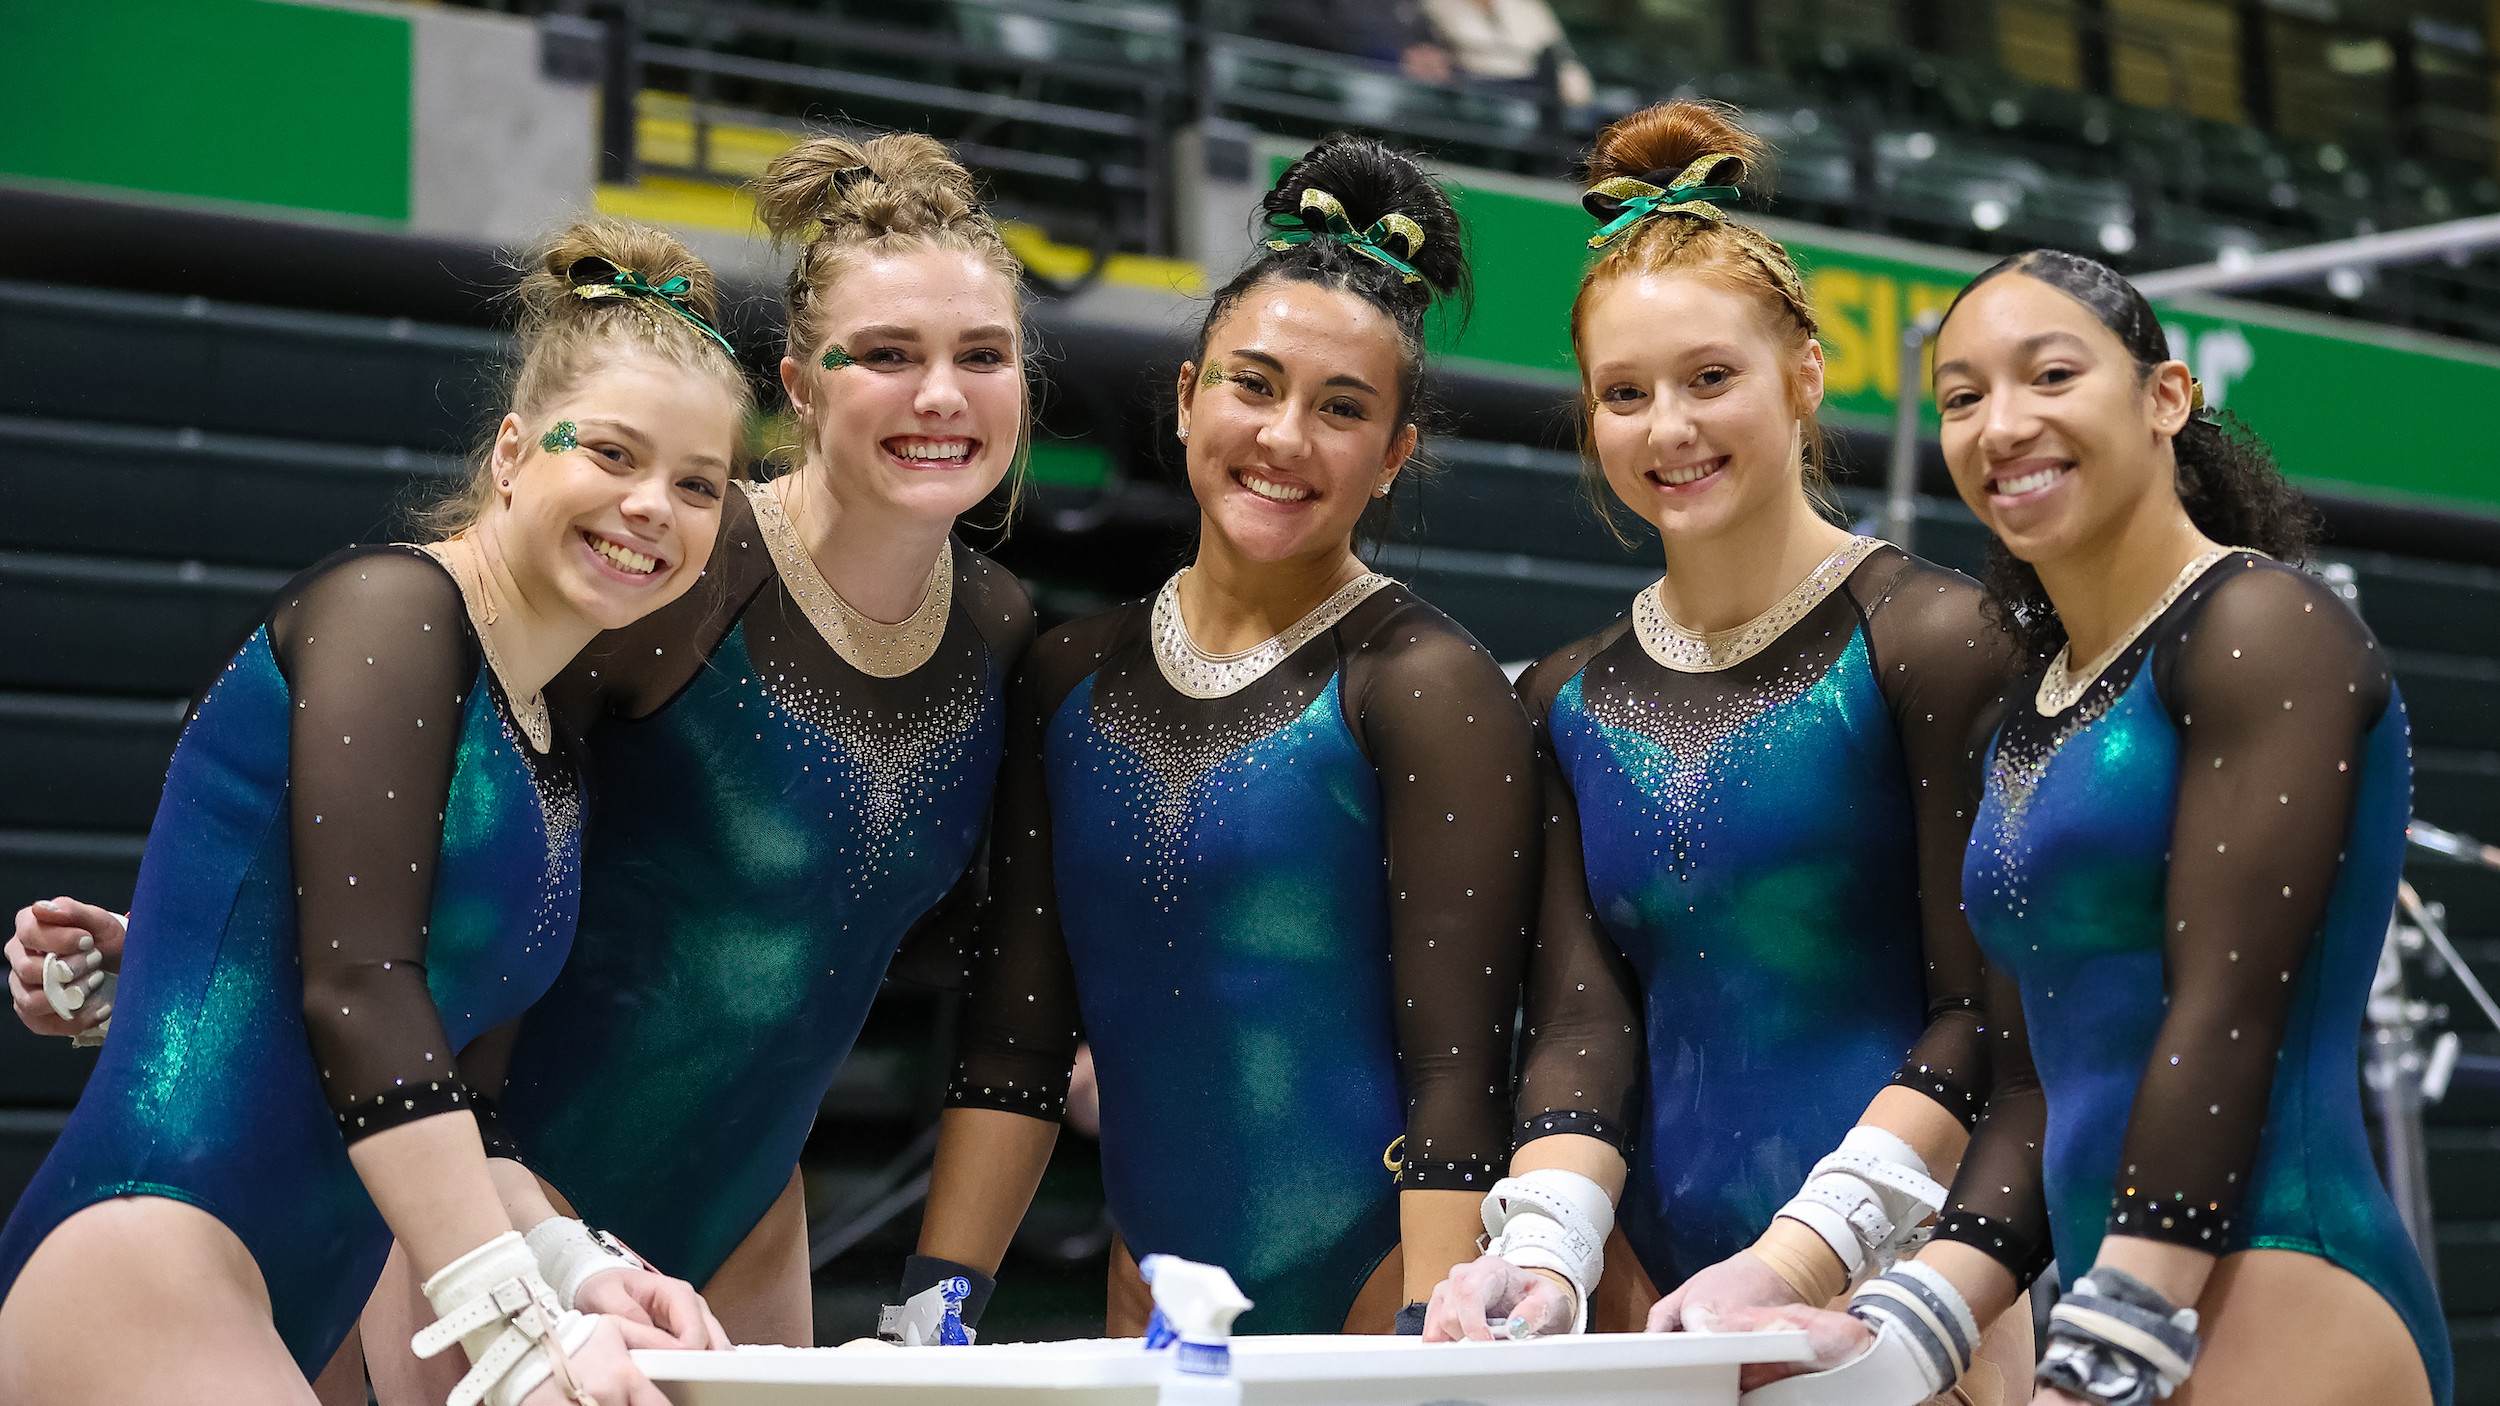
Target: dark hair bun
x=1671 y=136
x=1374 y=182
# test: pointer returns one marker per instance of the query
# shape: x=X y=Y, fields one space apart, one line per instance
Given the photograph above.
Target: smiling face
x=925 y=417
x=617 y=516
x=1292 y=419
x=2055 y=435
x=1697 y=392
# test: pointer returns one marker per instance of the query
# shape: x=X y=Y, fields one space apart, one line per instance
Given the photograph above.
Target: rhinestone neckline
x=2060 y=687
x=1692 y=652
x=1200 y=674
x=529 y=711
x=879 y=650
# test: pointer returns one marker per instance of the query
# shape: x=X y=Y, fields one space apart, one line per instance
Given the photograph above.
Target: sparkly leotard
x=2186 y=858
x=1767 y=826
x=358 y=867
x=781 y=790
x=1286 y=897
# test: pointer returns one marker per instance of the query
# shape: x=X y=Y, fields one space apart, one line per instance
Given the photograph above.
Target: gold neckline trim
x=879 y=650
x=2060 y=687
x=529 y=712
x=1198 y=673
x=1692 y=652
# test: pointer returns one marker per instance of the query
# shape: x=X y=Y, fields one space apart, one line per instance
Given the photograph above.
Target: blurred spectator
x=1510 y=43
x=1385 y=31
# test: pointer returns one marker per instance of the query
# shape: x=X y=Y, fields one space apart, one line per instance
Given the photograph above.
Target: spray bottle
x=1195 y=1305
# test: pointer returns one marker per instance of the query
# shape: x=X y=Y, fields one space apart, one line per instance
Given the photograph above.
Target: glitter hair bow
x=1625 y=201
x=597 y=278
x=1331 y=221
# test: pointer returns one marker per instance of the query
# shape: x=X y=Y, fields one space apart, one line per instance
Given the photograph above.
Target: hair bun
x=1657 y=144
x=1375 y=184
x=899 y=184
x=596 y=250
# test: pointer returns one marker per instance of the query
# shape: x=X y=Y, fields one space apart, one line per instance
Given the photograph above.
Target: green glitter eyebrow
x=565 y=435
x=1213 y=375
x=836 y=358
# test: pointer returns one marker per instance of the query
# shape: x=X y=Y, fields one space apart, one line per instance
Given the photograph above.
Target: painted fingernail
x=94 y=980
x=86 y=942
x=45 y=905
x=104 y=1013
x=94 y=960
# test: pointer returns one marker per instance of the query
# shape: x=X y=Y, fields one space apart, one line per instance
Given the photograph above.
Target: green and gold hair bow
x=597 y=278
x=1371 y=243
x=1625 y=201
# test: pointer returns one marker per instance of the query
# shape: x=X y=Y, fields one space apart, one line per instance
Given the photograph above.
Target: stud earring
x=1381 y=492
x=1182 y=434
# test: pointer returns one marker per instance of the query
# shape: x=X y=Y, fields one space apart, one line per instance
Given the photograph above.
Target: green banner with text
x=2348 y=407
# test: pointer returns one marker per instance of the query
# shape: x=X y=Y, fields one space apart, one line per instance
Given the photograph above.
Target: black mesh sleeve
x=1942 y=669
x=379 y=662
x=1998 y=1206
x=1581 y=1054
x=1458 y=792
x=2274 y=684
x=1021 y=1023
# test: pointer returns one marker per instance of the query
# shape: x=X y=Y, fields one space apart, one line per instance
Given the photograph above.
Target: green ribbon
x=1624 y=201
x=625 y=283
x=1371 y=243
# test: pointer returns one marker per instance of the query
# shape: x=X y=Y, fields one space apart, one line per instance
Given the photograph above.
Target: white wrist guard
x=495 y=1304
x=569 y=1252
x=1552 y=1219
x=931 y=1318
x=1868 y=1200
x=1924 y=1339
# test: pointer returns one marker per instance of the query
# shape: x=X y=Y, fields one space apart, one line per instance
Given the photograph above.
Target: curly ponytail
x=2228 y=481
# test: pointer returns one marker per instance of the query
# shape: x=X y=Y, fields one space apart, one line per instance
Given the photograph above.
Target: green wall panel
x=249 y=100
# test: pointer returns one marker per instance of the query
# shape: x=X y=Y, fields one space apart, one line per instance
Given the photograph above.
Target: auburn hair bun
x=1671 y=136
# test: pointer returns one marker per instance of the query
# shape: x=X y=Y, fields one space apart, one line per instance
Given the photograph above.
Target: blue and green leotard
x=1285 y=896
x=1753 y=858
x=359 y=866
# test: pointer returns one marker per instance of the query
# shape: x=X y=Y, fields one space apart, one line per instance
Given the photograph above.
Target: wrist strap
x=1868 y=1200
x=2116 y=1339
x=570 y=1252
x=496 y=1305
x=1552 y=1219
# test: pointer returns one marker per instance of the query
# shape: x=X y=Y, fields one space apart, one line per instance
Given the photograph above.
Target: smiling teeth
x=2021 y=484
x=958 y=449
x=1691 y=473
x=625 y=558
x=1276 y=491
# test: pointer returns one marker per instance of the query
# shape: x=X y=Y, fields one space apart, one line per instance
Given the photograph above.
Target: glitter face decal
x=836 y=358
x=1213 y=375
x=565 y=435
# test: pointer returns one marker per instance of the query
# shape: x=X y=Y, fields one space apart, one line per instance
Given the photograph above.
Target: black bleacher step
x=1518 y=606
x=119 y=625
x=2457 y=789
x=146 y=359
x=2477 y=1344
x=26 y=1134
x=84 y=763
x=2469 y=1266
x=2465 y=1172
x=98 y=866
x=123 y=490
x=2451 y=700
x=2428 y=605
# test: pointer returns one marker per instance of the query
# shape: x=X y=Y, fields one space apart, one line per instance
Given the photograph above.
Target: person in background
x=1512 y=43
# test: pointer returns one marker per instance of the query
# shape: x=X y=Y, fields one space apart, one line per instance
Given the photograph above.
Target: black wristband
x=924 y=1272
x=1411 y=1321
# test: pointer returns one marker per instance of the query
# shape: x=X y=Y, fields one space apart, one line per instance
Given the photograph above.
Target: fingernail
x=94 y=980
x=104 y=1012
x=86 y=942
x=94 y=960
x=46 y=905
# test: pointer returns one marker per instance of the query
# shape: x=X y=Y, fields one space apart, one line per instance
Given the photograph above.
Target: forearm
x=430 y=1180
x=989 y=1163
x=525 y=1201
x=2177 y=1271
x=1590 y=1157
x=1438 y=1229
x=1936 y=1135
